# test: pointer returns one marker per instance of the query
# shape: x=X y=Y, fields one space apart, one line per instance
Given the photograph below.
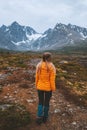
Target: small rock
x=63 y=114
x=30 y=100
x=74 y=73
x=62 y=78
x=5 y=97
x=15 y=92
x=74 y=123
x=80 y=99
x=70 y=109
x=69 y=83
x=57 y=111
x=63 y=62
x=86 y=127
x=68 y=105
x=8 y=94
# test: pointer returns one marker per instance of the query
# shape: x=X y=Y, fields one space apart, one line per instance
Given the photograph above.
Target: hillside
x=68 y=106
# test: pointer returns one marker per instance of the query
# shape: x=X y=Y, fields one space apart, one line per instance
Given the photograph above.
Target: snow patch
x=69 y=34
x=24 y=29
x=72 y=41
x=33 y=36
x=18 y=43
x=7 y=29
x=73 y=26
x=43 y=35
x=83 y=35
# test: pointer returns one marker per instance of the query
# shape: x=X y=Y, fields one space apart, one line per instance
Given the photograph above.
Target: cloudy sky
x=43 y=14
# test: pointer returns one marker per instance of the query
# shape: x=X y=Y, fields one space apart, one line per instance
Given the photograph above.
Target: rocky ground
x=64 y=114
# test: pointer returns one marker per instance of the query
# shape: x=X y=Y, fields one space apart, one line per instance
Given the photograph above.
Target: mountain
x=61 y=35
x=17 y=37
x=23 y=38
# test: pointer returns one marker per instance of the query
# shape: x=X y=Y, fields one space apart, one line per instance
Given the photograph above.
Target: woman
x=45 y=84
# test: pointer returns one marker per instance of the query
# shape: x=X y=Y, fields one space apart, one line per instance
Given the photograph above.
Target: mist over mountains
x=25 y=38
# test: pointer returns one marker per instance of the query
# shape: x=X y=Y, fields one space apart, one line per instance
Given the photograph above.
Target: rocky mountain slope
x=23 y=38
x=17 y=37
x=61 y=36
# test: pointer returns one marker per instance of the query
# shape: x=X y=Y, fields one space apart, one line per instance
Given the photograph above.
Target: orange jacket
x=45 y=76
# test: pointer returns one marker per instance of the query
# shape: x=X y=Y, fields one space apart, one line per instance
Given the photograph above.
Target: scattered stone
x=68 y=105
x=74 y=123
x=30 y=100
x=3 y=76
x=5 y=97
x=15 y=92
x=74 y=73
x=4 y=106
x=62 y=78
x=64 y=71
x=63 y=62
x=85 y=127
x=8 y=94
x=69 y=83
x=71 y=110
x=57 y=111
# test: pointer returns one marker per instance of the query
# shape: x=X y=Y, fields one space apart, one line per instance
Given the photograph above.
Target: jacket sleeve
x=52 y=77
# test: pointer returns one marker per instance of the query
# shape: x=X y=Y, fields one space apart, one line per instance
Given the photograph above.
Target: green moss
x=13 y=117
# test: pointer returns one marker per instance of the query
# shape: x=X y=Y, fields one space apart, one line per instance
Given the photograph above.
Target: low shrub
x=13 y=116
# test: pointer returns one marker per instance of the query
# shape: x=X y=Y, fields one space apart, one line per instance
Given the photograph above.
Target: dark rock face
x=17 y=37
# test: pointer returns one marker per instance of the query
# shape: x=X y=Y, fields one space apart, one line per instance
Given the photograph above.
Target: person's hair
x=47 y=56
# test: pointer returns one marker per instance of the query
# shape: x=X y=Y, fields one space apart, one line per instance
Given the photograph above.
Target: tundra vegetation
x=17 y=76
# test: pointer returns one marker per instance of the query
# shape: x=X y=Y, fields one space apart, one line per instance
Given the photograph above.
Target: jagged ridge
x=17 y=37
